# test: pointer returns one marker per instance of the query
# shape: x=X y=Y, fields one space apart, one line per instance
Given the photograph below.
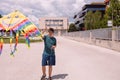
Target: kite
x=14 y=25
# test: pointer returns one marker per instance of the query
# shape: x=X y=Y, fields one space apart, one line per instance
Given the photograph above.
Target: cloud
x=33 y=18
x=43 y=8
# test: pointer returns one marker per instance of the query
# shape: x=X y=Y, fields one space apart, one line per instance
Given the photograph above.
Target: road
x=75 y=61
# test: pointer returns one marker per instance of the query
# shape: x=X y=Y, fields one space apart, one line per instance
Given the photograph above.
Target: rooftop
x=106 y=1
x=98 y=3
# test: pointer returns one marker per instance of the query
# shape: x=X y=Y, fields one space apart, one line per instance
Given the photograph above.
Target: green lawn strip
x=21 y=40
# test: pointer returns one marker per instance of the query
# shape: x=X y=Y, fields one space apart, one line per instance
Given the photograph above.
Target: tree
x=113 y=12
x=72 y=28
x=88 y=20
x=0 y=16
x=97 y=16
x=93 y=20
x=104 y=21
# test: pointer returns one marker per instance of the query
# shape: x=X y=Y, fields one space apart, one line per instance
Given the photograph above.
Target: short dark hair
x=51 y=29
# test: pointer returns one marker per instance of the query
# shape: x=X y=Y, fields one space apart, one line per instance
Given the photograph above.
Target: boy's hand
x=43 y=31
x=53 y=47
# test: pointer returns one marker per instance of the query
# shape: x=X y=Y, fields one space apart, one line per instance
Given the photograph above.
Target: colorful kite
x=14 y=25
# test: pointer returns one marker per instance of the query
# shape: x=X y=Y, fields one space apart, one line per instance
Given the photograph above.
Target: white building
x=59 y=24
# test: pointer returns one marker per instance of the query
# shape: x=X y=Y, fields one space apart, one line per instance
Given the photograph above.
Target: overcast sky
x=35 y=9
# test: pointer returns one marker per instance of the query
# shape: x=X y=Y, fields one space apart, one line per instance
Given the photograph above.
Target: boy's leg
x=44 y=64
x=51 y=63
x=44 y=73
x=50 y=71
x=44 y=70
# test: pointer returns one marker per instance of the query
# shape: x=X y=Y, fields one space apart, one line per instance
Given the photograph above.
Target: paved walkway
x=75 y=61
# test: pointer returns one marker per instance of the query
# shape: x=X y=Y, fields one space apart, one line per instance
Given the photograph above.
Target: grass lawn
x=21 y=40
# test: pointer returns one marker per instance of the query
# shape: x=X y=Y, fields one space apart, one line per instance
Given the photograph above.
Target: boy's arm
x=43 y=33
x=55 y=42
x=54 y=46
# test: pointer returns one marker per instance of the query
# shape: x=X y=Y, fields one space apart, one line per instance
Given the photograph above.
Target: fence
x=103 y=34
x=108 y=37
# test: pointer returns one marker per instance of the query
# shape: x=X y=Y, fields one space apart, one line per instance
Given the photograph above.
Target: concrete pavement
x=75 y=61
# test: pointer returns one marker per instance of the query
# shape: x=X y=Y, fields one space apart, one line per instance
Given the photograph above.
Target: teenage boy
x=48 y=56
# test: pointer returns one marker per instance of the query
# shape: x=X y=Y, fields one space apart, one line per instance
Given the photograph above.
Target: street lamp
x=110 y=22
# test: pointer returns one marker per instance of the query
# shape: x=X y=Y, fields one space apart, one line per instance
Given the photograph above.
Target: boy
x=48 y=57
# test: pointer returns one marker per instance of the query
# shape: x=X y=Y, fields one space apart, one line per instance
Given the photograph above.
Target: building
x=107 y=3
x=59 y=24
x=80 y=16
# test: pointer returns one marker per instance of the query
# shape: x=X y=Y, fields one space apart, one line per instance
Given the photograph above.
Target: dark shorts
x=48 y=60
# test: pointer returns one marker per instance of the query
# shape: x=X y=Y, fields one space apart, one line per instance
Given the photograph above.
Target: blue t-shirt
x=49 y=42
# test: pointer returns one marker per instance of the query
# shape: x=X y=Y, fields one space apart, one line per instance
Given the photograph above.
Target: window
x=54 y=23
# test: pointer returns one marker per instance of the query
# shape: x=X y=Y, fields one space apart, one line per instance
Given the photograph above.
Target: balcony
x=75 y=16
x=95 y=9
x=77 y=22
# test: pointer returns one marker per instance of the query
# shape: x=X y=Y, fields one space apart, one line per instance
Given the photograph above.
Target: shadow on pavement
x=59 y=76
